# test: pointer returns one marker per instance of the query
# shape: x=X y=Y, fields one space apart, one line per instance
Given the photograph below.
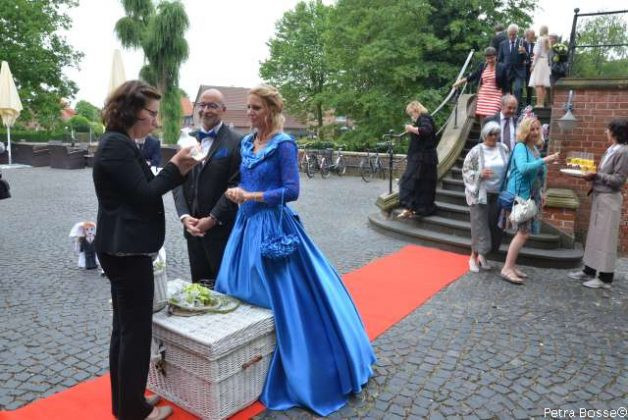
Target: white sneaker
x=580 y=275
x=596 y=284
x=473 y=265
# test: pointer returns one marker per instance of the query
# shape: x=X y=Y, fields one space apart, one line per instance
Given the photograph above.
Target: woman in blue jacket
x=525 y=179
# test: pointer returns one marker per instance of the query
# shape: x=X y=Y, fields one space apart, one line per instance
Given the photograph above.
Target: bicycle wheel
x=366 y=171
x=309 y=168
x=341 y=168
x=325 y=168
x=380 y=169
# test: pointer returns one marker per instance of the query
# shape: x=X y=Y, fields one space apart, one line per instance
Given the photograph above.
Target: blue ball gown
x=323 y=354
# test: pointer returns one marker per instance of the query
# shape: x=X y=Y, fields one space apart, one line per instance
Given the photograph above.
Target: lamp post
x=568 y=121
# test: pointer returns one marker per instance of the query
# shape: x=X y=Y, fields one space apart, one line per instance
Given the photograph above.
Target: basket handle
x=251 y=362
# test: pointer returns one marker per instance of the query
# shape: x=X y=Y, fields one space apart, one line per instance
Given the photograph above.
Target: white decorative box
x=212 y=365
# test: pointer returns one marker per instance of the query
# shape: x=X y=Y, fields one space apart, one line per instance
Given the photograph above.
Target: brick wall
x=596 y=103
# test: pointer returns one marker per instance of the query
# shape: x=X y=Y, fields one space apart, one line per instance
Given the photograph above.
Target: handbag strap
x=502 y=187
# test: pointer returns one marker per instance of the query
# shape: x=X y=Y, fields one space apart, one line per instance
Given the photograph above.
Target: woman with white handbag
x=525 y=181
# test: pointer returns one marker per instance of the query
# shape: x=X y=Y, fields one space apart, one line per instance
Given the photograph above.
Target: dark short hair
x=490 y=52
x=619 y=129
x=122 y=106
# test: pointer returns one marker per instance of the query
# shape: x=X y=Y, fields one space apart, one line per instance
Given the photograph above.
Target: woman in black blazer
x=131 y=229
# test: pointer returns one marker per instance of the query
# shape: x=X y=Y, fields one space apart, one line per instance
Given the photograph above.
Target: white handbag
x=523 y=210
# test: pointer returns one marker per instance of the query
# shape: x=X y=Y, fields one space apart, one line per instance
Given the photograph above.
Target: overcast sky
x=227 y=39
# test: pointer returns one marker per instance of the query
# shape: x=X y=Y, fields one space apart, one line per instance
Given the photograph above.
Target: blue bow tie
x=201 y=135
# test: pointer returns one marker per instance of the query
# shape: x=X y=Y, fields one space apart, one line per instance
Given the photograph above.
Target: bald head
x=210 y=108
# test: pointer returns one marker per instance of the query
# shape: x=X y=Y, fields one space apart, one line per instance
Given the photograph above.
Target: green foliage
x=171 y=104
x=37 y=54
x=87 y=110
x=378 y=55
x=602 y=61
x=79 y=123
x=297 y=64
x=160 y=34
x=38 y=136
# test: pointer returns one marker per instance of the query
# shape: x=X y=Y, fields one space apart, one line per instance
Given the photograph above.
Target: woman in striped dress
x=490 y=76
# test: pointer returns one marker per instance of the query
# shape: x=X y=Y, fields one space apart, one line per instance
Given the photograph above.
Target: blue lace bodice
x=272 y=170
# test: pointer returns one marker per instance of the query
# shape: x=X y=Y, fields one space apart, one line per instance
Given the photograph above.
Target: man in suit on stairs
x=507 y=120
x=530 y=37
x=206 y=214
x=513 y=55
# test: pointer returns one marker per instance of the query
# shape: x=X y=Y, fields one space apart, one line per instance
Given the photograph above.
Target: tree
x=297 y=64
x=87 y=110
x=602 y=61
x=37 y=54
x=385 y=53
x=159 y=32
x=79 y=123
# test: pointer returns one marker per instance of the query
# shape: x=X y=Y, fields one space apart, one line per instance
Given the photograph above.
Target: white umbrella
x=117 y=72
x=10 y=104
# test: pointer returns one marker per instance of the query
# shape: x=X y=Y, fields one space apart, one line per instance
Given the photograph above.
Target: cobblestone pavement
x=481 y=348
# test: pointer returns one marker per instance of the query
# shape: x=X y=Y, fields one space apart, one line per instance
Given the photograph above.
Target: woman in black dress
x=417 y=188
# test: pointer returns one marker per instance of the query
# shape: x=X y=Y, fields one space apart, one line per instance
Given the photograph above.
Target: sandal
x=484 y=265
x=511 y=277
x=520 y=273
x=405 y=214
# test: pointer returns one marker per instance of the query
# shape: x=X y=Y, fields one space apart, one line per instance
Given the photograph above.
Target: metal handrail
x=453 y=90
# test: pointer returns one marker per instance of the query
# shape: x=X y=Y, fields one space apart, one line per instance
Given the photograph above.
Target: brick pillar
x=596 y=103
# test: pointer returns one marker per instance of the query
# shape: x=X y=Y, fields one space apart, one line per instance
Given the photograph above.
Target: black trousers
x=205 y=256
x=132 y=288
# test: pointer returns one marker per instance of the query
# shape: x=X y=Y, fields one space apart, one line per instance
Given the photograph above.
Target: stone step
x=455 y=173
x=453 y=211
x=463 y=228
x=556 y=258
x=449 y=196
x=452 y=184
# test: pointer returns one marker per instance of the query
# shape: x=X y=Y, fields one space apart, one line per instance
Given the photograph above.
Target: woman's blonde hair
x=273 y=102
x=524 y=128
x=543 y=37
x=416 y=106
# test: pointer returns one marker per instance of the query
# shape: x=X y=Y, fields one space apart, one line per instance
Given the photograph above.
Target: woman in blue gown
x=323 y=354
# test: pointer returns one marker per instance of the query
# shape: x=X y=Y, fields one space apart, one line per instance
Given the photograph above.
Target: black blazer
x=130 y=208
x=202 y=193
x=514 y=61
x=500 y=75
x=151 y=150
x=498 y=39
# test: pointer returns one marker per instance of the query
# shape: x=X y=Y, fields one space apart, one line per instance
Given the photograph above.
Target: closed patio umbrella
x=10 y=104
x=117 y=72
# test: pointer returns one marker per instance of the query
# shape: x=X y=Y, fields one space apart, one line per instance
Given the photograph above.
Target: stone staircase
x=450 y=228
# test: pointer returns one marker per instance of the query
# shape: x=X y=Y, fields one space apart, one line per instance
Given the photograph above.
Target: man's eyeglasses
x=152 y=113
x=211 y=105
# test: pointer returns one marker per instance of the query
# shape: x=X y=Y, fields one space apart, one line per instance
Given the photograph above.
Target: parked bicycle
x=329 y=165
x=371 y=166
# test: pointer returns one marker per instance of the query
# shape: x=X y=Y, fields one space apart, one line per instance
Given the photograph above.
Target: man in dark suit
x=506 y=118
x=207 y=215
x=530 y=37
x=512 y=53
x=151 y=150
x=500 y=36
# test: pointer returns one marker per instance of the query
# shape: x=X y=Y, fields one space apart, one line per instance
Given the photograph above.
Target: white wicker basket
x=214 y=364
x=160 y=298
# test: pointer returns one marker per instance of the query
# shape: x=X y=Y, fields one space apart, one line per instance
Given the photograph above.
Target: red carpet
x=385 y=291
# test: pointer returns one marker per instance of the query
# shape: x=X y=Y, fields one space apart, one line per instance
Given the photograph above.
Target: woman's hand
x=411 y=129
x=237 y=195
x=589 y=176
x=486 y=173
x=184 y=161
x=458 y=83
x=551 y=158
